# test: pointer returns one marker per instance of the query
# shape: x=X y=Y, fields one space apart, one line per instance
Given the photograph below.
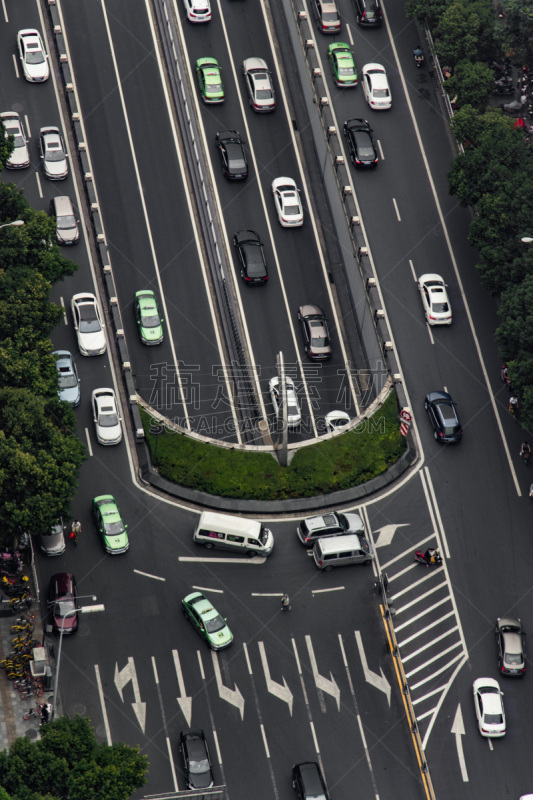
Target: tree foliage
x=67 y=763
x=470 y=84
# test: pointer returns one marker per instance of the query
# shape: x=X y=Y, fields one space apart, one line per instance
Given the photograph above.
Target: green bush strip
x=342 y=462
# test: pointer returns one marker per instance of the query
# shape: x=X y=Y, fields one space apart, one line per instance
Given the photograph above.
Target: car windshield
x=19 y=140
x=329 y=16
x=346 y=71
x=292 y=410
x=366 y=151
x=513 y=658
x=291 y=211
x=67 y=380
x=319 y=341
x=215 y=624
x=64 y=607
x=493 y=719
x=34 y=57
x=440 y=308
x=214 y=87
x=89 y=322
x=114 y=528
x=237 y=163
x=381 y=92
x=199 y=767
x=263 y=94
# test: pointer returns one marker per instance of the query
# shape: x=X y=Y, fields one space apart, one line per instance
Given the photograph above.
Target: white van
x=233 y=533
x=338 y=551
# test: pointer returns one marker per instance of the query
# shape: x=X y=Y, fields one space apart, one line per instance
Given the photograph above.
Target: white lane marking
x=207 y=560
x=413 y=271
x=317 y=748
x=89 y=448
x=128 y=674
x=143 y=203
x=382 y=157
x=422 y=631
x=426 y=714
x=27 y=124
x=16 y=65
x=423 y=613
x=439 y=655
x=5 y=11
x=281 y=691
x=422 y=597
x=267 y=594
x=429 y=575
x=327 y=685
x=428 y=695
x=148 y=575
x=219 y=754
x=379 y=682
x=207 y=589
x=395 y=204
x=386 y=533
x=201 y=664
x=431 y=643
x=171 y=762
x=184 y=701
x=39 y=187
x=458 y=729
x=349 y=32
x=247 y=656
x=154 y=669
x=413 y=564
x=231 y=696
x=333 y=589
x=458 y=657
x=265 y=743
x=430 y=332
x=436 y=519
x=102 y=704
x=65 y=317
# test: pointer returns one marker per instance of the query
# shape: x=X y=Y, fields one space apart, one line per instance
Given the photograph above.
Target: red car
x=62 y=602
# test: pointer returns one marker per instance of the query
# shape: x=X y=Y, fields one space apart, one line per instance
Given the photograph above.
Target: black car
x=510 y=640
x=196 y=761
x=443 y=417
x=362 y=146
x=231 y=149
x=251 y=256
x=368 y=12
x=308 y=782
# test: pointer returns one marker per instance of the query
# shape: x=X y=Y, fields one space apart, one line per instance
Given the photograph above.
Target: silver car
x=20 y=157
x=258 y=80
x=67 y=375
x=53 y=153
x=53 y=542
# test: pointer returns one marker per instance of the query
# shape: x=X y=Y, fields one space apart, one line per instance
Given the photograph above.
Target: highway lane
x=128 y=132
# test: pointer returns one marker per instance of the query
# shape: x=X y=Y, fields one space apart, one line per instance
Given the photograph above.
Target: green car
x=207 y=621
x=210 y=80
x=148 y=319
x=342 y=64
x=110 y=524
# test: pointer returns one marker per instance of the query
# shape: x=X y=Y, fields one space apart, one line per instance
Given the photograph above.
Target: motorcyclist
x=418 y=53
x=431 y=556
x=525 y=451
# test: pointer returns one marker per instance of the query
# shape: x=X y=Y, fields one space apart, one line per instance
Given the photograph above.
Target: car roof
x=202 y=605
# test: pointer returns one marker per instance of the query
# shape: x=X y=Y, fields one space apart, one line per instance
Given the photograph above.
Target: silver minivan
x=53 y=542
x=67 y=230
x=339 y=551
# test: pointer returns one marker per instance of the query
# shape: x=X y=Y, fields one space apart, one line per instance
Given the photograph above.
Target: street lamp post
x=16 y=223
x=81 y=610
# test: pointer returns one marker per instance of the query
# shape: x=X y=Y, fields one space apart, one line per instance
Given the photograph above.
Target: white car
x=288 y=205
x=198 y=10
x=294 y=415
x=20 y=157
x=258 y=80
x=489 y=707
x=376 y=87
x=53 y=154
x=107 y=420
x=88 y=324
x=435 y=299
x=33 y=56
x=336 y=420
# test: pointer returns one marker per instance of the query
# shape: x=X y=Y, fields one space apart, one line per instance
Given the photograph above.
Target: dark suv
x=443 y=417
x=308 y=781
x=368 y=12
x=361 y=143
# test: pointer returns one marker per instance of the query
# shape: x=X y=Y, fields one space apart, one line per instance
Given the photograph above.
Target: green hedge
x=339 y=463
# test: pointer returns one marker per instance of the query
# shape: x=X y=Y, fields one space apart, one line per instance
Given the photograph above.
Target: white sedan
x=435 y=299
x=376 y=87
x=337 y=420
x=294 y=415
x=33 y=55
x=489 y=707
x=88 y=324
x=288 y=205
x=20 y=157
x=106 y=418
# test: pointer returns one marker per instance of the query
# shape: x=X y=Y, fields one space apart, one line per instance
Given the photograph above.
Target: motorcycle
x=419 y=57
x=420 y=558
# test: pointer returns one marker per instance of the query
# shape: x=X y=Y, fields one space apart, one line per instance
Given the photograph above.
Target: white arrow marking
x=378 y=681
x=283 y=692
x=124 y=676
x=386 y=534
x=326 y=685
x=458 y=729
x=232 y=696
x=185 y=702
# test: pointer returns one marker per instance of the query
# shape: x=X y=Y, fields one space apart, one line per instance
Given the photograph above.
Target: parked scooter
x=431 y=558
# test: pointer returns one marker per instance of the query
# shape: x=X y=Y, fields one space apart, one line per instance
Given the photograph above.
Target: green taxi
x=210 y=80
x=148 y=319
x=207 y=621
x=110 y=524
x=342 y=65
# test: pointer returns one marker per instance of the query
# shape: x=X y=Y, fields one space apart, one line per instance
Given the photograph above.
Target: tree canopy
x=67 y=763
